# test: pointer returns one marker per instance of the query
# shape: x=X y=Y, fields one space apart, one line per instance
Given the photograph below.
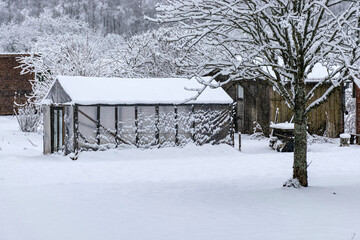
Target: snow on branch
x=282 y=42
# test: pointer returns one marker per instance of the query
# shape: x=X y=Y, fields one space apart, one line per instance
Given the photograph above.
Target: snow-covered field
x=193 y=193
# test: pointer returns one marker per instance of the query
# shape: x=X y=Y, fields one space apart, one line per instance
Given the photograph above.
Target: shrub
x=28 y=117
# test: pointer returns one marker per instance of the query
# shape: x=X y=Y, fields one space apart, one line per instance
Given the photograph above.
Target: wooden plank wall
x=326 y=119
x=256 y=106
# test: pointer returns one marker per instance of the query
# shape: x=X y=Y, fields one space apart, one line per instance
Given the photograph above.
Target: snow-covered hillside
x=193 y=193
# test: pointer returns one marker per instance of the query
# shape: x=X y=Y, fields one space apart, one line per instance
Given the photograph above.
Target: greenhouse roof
x=97 y=90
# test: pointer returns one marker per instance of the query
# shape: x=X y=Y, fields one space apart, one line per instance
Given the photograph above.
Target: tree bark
x=300 y=147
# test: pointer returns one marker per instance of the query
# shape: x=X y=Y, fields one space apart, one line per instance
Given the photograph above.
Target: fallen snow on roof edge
x=130 y=91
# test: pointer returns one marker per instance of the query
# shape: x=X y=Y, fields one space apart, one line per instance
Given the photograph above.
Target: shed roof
x=96 y=90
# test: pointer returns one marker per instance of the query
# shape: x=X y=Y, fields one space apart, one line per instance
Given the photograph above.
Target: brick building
x=13 y=85
x=357 y=108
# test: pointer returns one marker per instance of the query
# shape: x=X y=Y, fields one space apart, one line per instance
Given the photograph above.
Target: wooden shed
x=357 y=93
x=97 y=113
x=13 y=85
x=257 y=103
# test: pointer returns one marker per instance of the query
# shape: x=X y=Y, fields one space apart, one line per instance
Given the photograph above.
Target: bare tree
x=68 y=54
x=279 y=41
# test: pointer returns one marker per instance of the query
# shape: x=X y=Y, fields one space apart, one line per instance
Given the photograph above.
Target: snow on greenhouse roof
x=96 y=90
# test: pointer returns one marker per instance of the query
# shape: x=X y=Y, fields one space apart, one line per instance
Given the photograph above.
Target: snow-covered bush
x=258 y=132
x=292 y=182
x=28 y=117
x=319 y=139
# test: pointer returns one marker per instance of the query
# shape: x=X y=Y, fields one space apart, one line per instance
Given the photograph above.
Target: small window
x=240 y=92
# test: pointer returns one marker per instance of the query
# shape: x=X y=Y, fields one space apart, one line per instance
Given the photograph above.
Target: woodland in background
x=111 y=16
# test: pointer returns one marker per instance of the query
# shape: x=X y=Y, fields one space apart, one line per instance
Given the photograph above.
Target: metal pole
x=98 y=125
x=136 y=127
x=76 y=129
x=157 y=131
x=116 y=126
x=176 y=127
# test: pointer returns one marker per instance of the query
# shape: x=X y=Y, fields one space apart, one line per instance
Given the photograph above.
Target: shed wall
x=327 y=118
x=46 y=129
x=254 y=107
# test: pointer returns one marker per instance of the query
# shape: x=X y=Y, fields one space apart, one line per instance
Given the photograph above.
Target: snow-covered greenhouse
x=97 y=113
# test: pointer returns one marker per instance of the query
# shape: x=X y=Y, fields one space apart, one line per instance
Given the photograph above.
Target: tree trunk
x=300 y=147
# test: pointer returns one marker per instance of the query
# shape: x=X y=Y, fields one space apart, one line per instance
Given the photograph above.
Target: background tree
x=83 y=54
x=150 y=54
x=278 y=41
x=111 y=16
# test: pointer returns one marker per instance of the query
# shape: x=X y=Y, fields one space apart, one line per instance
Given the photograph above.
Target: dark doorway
x=57 y=129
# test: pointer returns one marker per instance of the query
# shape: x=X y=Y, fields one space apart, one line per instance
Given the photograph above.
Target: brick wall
x=13 y=85
x=357 y=109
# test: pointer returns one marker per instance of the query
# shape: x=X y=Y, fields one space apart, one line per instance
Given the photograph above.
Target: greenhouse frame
x=88 y=113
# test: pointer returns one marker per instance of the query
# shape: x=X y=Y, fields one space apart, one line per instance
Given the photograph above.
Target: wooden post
x=157 y=131
x=52 y=128
x=136 y=127
x=98 y=125
x=240 y=141
x=232 y=125
x=176 y=127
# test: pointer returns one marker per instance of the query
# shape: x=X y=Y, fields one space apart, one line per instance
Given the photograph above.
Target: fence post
x=232 y=125
x=240 y=141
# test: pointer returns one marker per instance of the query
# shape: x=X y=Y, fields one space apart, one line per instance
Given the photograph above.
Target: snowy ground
x=194 y=193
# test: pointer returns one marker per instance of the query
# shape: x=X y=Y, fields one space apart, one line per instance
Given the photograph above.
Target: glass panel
x=107 y=121
x=126 y=121
x=166 y=126
x=184 y=124
x=87 y=126
x=146 y=126
x=212 y=124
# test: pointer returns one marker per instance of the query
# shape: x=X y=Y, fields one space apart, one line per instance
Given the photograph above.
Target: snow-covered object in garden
x=284 y=126
x=98 y=113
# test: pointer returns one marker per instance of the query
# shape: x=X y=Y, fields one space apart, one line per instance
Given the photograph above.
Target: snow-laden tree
x=278 y=41
x=68 y=54
x=21 y=37
x=150 y=54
